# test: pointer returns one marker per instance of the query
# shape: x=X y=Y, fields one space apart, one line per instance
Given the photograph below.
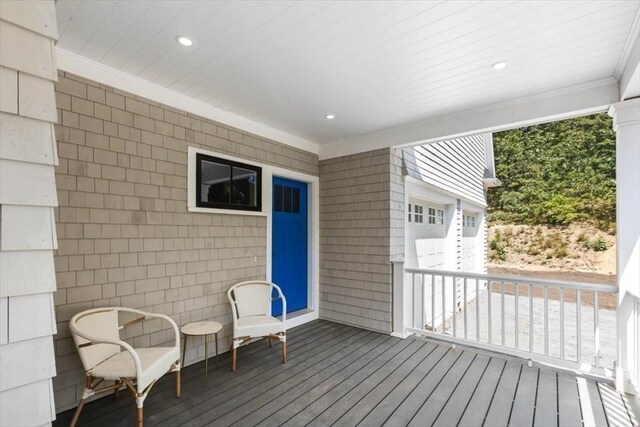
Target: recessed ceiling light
x=184 y=41
x=499 y=65
x=329 y=116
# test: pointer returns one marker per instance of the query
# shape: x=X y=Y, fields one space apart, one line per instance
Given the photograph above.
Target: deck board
x=383 y=411
x=525 y=398
x=367 y=402
x=615 y=409
x=338 y=374
x=546 y=414
x=568 y=400
x=451 y=413
x=478 y=406
x=431 y=407
x=500 y=409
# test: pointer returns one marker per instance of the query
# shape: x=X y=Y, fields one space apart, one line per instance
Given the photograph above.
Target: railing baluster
x=578 y=328
x=529 y=290
x=517 y=323
x=413 y=300
x=489 y=308
x=423 y=299
x=454 y=299
x=502 y=326
x=433 y=303
x=562 y=323
x=546 y=320
x=464 y=306
x=478 y=310
x=596 y=331
x=444 y=307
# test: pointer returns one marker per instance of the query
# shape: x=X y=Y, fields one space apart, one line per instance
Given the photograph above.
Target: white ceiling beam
x=525 y=111
x=630 y=77
x=101 y=73
x=627 y=71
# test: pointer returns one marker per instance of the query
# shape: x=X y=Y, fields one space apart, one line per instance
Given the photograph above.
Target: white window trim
x=268 y=172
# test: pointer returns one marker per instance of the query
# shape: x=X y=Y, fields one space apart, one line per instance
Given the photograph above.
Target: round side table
x=204 y=328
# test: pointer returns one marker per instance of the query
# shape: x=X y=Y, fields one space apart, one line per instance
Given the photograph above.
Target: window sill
x=225 y=211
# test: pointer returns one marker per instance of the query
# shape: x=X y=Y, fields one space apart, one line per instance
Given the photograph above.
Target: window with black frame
x=225 y=184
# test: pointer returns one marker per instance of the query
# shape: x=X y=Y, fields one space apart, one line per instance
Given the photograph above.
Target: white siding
x=455 y=166
x=27 y=201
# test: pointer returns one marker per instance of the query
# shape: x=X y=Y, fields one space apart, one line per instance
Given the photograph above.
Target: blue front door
x=289 y=243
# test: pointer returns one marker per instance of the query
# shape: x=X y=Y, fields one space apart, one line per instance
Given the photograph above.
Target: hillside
x=576 y=248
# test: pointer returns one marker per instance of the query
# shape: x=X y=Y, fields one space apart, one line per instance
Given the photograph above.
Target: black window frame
x=232 y=164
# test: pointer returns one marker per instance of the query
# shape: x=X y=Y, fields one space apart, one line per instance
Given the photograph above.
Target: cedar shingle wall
x=125 y=236
x=361 y=228
x=27 y=201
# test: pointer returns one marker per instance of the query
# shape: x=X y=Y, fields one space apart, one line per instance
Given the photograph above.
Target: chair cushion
x=258 y=326
x=155 y=361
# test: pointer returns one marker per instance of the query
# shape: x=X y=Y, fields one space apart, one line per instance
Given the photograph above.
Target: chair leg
x=140 y=417
x=284 y=352
x=76 y=415
x=116 y=391
x=270 y=342
x=233 y=359
x=178 y=385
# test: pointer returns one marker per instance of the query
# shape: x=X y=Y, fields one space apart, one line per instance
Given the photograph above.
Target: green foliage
x=498 y=248
x=599 y=246
x=556 y=173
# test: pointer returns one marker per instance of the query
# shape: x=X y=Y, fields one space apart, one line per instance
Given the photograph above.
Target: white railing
x=565 y=323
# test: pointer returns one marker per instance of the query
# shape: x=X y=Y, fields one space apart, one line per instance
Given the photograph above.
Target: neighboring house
x=445 y=198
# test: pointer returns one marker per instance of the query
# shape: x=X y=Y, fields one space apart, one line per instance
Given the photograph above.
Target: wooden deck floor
x=344 y=376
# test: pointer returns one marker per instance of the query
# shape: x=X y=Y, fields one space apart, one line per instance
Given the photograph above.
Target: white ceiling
x=375 y=65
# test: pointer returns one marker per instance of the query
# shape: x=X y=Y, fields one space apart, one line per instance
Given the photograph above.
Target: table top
x=201 y=328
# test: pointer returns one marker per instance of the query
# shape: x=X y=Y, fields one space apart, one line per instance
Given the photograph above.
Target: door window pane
x=277 y=198
x=287 y=199
x=295 y=200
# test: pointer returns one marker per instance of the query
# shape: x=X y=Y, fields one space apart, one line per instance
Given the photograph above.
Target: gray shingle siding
x=361 y=228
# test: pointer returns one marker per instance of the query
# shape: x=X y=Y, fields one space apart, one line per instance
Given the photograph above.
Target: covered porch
x=107 y=110
x=346 y=376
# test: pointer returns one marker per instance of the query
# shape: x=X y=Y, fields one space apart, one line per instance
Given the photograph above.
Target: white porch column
x=626 y=123
x=401 y=300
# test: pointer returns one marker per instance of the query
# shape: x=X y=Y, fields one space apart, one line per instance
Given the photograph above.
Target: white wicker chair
x=106 y=357
x=251 y=307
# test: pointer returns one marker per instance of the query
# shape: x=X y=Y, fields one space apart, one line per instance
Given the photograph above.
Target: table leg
x=206 y=360
x=184 y=350
x=217 y=350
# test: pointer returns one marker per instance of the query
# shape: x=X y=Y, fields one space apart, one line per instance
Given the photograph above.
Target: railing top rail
x=634 y=295
x=518 y=279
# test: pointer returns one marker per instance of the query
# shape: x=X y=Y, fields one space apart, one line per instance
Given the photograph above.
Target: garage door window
x=418 y=214
x=469 y=221
x=436 y=216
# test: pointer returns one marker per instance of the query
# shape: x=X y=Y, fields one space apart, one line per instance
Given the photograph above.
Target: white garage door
x=426 y=228
x=469 y=241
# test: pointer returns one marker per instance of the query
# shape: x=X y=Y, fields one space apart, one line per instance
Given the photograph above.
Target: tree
x=556 y=173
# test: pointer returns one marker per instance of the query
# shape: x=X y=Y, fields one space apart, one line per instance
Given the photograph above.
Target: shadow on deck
x=347 y=376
